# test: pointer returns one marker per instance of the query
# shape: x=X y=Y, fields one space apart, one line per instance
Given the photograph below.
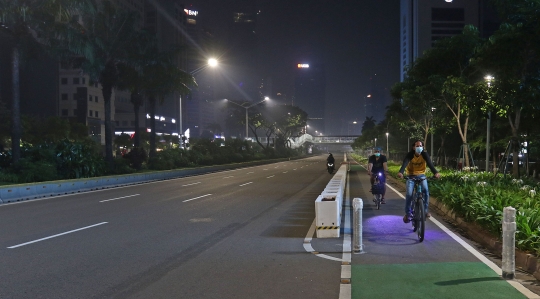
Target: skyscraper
x=425 y=21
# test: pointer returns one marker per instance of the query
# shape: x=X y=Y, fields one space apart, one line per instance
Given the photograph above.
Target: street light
x=375 y=142
x=212 y=62
x=387 y=143
x=488 y=80
x=349 y=127
x=247 y=107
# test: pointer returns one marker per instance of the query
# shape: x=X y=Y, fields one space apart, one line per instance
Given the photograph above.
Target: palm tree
x=368 y=124
x=163 y=78
x=103 y=39
x=23 y=22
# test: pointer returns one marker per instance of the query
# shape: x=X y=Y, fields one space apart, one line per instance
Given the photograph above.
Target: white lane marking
x=191 y=184
x=196 y=198
x=265 y=169
x=119 y=197
x=231 y=176
x=245 y=184
x=58 y=235
x=285 y=171
x=478 y=255
x=270 y=176
x=250 y=172
x=308 y=248
x=294 y=169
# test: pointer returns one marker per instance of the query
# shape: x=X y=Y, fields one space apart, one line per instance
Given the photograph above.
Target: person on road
x=377 y=163
x=415 y=162
x=330 y=158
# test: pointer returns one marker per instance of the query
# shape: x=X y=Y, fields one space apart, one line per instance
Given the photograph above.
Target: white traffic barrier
x=328 y=206
x=358 y=206
x=509 y=241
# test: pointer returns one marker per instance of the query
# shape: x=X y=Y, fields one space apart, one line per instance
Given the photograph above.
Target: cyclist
x=415 y=161
x=378 y=163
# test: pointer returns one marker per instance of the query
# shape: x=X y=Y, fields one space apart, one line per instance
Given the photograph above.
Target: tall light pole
x=212 y=62
x=387 y=143
x=488 y=79
x=431 y=148
x=247 y=107
x=375 y=142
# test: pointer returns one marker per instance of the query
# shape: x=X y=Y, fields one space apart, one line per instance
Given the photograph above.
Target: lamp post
x=431 y=148
x=375 y=142
x=247 y=107
x=212 y=62
x=488 y=79
x=387 y=143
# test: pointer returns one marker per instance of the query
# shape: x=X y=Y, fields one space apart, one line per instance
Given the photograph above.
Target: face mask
x=377 y=154
x=419 y=149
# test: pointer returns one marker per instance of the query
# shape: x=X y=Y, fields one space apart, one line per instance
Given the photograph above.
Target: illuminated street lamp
x=247 y=107
x=375 y=142
x=488 y=79
x=212 y=62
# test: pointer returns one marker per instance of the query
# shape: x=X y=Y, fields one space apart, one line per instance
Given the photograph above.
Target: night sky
x=356 y=40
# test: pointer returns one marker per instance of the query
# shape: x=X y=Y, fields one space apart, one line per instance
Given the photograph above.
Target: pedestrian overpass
x=297 y=142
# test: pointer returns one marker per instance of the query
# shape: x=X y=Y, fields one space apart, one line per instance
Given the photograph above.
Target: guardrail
x=328 y=205
x=22 y=192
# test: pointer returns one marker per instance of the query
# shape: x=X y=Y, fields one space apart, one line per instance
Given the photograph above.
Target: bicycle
x=418 y=213
x=377 y=189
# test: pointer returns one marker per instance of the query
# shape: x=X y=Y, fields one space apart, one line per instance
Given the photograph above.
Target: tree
x=443 y=77
x=28 y=24
x=162 y=78
x=368 y=124
x=512 y=56
x=99 y=42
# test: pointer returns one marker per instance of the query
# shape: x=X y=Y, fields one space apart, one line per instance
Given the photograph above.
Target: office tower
x=310 y=94
x=425 y=21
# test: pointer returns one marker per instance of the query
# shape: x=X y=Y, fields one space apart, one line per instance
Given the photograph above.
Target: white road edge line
x=270 y=176
x=308 y=248
x=518 y=286
x=245 y=184
x=196 y=198
x=58 y=235
x=191 y=184
x=120 y=197
x=231 y=176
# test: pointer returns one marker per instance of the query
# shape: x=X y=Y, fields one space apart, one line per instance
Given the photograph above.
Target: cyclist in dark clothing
x=377 y=163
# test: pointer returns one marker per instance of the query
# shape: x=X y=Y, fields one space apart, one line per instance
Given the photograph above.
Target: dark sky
x=354 y=39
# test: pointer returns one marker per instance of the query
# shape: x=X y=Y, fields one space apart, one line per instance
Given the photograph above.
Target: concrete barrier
x=14 y=193
x=328 y=206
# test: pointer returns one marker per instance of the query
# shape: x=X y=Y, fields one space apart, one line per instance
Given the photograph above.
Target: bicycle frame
x=418 y=211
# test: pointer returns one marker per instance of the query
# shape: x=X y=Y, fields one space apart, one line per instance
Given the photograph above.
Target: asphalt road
x=244 y=233
x=232 y=234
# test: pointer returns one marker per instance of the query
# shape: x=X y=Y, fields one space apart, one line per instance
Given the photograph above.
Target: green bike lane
x=394 y=264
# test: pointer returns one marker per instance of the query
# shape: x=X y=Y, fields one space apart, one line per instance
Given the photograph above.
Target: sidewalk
x=395 y=265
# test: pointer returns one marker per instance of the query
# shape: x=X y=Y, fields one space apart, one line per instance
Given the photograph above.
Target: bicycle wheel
x=421 y=218
x=378 y=200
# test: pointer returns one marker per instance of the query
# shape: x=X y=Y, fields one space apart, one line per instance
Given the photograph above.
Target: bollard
x=358 y=206
x=509 y=241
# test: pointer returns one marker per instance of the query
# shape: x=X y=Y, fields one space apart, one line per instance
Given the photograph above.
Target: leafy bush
x=36 y=171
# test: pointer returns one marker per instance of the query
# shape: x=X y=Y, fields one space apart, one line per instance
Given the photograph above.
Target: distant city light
x=190 y=12
x=303 y=66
